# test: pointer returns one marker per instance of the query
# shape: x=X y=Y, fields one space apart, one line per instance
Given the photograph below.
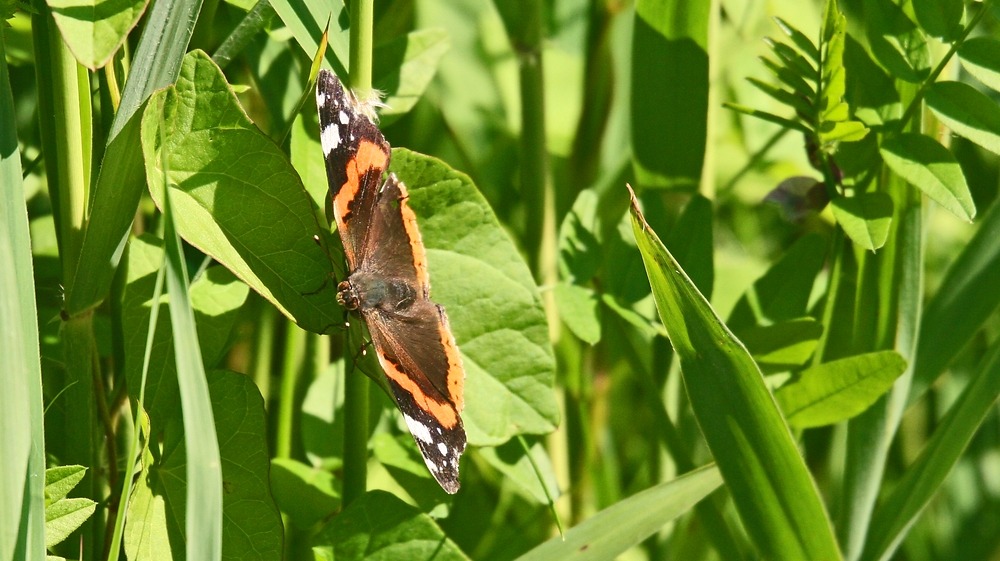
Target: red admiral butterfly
x=388 y=282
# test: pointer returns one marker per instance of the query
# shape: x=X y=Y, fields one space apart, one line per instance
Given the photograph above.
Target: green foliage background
x=782 y=346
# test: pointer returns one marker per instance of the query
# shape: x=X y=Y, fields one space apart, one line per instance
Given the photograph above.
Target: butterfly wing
x=414 y=343
x=349 y=135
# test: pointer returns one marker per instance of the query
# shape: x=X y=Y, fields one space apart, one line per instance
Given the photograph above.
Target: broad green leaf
x=216 y=296
x=59 y=481
x=237 y=197
x=94 y=29
x=64 y=516
x=116 y=194
x=865 y=218
x=379 y=526
x=843 y=131
x=968 y=112
x=940 y=18
x=836 y=391
x=782 y=346
x=517 y=468
x=493 y=305
x=672 y=37
x=783 y=292
x=742 y=426
x=964 y=301
x=252 y=526
x=580 y=309
x=981 y=57
x=612 y=531
x=925 y=477
x=304 y=493
x=22 y=435
x=930 y=167
x=895 y=41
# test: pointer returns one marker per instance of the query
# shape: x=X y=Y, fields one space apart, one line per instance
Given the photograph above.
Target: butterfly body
x=388 y=283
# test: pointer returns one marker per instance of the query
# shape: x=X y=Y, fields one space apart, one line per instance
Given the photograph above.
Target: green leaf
x=579 y=239
x=216 y=296
x=793 y=100
x=782 y=121
x=836 y=391
x=116 y=194
x=925 y=477
x=967 y=112
x=612 y=531
x=872 y=92
x=865 y=218
x=404 y=67
x=305 y=493
x=669 y=146
x=93 y=30
x=980 y=56
x=493 y=304
x=804 y=44
x=964 y=301
x=251 y=527
x=307 y=19
x=782 y=346
x=742 y=425
x=791 y=79
x=64 y=516
x=783 y=292
x=237 y=197
x=940 y=18
x=59 y=481
x=22 y=444
x=378 y=526
x=517 y=468
x=895 y=42
x=580 y=309
x=402 y=460
x=930 y=167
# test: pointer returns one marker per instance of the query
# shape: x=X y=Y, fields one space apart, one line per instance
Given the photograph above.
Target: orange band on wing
x=416 y=244
x=370 y=156
x=444 y=412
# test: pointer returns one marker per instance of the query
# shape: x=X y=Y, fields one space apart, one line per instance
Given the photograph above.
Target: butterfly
x=388 y=283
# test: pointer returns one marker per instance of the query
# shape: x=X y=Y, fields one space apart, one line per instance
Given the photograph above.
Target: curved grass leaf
x=835 y=391
x=22 y=436
x=612 y=531
x=770 y=485
x=493 y=305
x=93 y=30
x=966 y=298
x=865 y=218
x=897 y=513
x=930 y=167
x=379 y=526
x=967 y=112
x=980 y=56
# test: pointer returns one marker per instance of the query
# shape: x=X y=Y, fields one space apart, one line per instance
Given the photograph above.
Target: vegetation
x=724 y=276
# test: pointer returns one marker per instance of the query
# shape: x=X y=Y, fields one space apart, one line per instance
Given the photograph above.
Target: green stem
x=356 y=386
x=291 y=368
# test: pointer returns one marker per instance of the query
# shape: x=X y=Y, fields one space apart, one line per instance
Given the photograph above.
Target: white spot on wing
x=344 y=119
x=320 y=99
x=418 y=429
x=329 y=138
x=443 y=448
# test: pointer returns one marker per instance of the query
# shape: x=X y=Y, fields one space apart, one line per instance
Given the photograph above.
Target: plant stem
x=356 y=386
